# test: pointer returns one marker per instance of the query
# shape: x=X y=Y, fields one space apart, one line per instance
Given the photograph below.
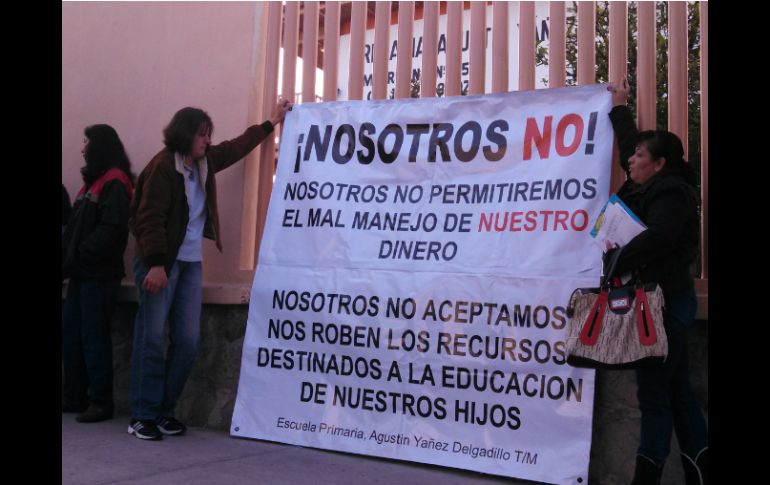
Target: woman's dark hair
x=178 y=135
x=665 y=144
x=104 y=151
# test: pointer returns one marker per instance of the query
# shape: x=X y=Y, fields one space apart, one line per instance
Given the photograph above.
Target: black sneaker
x=68 y=406
x=144 y=429
x=171 y=426
x=94 y=414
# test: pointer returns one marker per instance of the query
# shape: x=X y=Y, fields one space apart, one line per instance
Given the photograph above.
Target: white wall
x=132 y=65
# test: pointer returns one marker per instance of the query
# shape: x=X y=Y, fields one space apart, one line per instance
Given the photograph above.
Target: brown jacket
x=159 y=210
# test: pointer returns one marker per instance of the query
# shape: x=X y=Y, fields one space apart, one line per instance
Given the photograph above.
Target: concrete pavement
x=104 y=453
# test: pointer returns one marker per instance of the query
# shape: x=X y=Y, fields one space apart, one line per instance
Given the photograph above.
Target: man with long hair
x=174 y=209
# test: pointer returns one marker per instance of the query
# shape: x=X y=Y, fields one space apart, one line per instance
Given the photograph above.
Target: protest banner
x=417 y=259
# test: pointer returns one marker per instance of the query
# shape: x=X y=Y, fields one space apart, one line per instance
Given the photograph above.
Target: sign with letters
x=414 y=270
x=416 y=48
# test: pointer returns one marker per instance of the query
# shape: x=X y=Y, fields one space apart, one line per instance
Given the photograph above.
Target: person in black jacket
x=92 y=259
x=661 y=190
x=66 y=206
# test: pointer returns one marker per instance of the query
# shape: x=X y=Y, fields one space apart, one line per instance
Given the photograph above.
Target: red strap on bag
x=593 y=324
x=644 y=322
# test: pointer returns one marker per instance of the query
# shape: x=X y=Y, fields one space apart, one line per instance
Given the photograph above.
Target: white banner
x=417 y=258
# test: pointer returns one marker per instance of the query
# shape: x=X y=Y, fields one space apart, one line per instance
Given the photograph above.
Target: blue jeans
x=666 y=398
x=86 y=344
x=157 y=381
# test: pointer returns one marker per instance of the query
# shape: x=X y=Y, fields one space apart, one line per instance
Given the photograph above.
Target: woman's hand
x=279 y=112
x=619 y=92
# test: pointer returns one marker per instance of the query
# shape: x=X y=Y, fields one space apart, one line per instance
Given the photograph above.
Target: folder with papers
x=616 y=224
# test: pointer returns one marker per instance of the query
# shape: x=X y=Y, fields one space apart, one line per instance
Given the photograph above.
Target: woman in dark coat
x=92 y=258
x=661 y=190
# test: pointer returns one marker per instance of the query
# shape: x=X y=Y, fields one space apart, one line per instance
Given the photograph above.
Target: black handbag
x=615 y=325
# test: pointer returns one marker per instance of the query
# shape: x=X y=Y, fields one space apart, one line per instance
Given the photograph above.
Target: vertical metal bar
x=618 y=59
x=429 y=50
x=586 y=51
x=478 y=50
x=646 y=91
x=618 y=40
x=454 y=27
x=381 y=48
x=267 y=153
x=357 y=31
x=309 y=51
x=249 y=214
x=704 y=136
x=499 y=47
x=677 y=71
x=557 y=46
x=290 y=45
x=526 y=46
x=331 y=49
x=404 y=50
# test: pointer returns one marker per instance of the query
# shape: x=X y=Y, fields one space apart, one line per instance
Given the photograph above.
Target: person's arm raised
x=622 y=122
x=620 y=91
x=228 y=152
x=280 y=110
